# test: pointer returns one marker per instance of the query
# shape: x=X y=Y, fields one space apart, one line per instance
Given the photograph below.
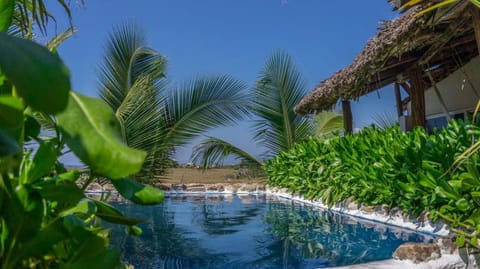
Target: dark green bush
x=410 y=170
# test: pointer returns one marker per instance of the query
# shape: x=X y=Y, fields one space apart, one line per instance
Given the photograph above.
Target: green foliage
x=28 y=14
x=45 y=90
x=328 y=123
x=97 y=140
x=46 y=221
x=277 y=127
x=6 y=13
x=152 y=117
x=411 y=170
x=212 y=150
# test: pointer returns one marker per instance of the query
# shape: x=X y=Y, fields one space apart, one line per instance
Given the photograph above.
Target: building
x=432 y=56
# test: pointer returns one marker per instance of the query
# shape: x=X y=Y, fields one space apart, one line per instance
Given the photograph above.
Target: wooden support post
x=418 y=97
x=439 y=96
x=406 y=87
x=398 y=100
x=476 y=23
x=347 y=116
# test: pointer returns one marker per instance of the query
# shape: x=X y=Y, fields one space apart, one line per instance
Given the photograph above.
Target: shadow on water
x=206 y=231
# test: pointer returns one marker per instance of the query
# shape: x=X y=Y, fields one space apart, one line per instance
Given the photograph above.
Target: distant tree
x=328 y=123
x=277 y=127
x=154 y=116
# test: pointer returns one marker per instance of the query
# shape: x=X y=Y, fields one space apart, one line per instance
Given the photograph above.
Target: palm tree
x=153 y=116
x=277 y=128
x=327 y=124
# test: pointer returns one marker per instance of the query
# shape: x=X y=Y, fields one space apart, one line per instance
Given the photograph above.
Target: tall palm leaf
x=279 y=89
x=327 y=123
x=278 y=128
x=156 y=120
x=202 y=104
x=30 y=13
x=131 y=83
x=213 y=151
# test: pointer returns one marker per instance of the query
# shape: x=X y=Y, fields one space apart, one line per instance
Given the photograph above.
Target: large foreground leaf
x=92 y=133
x=11 y=112
x=138 y=193
x=6 y=13
x=48 y=83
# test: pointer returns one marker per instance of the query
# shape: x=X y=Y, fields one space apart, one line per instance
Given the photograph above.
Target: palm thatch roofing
x=438 y=43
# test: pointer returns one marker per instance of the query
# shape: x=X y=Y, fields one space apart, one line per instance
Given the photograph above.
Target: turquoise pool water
x=215 y=231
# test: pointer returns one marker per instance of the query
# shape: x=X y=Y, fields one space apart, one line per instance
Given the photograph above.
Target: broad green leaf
x=65 y=192
x=45 y=239
x=42 y=162
x=474 y=241
x=460 y=240
x=91 y=131
x=11 y=112
x=111 y=214
x=84 y=208
x=32 y=127
x=137 y=192
x=39 y=76
x=3 y=236
x=134 y=230
x=93 y=253
x=8 y=145
x=6 y=13
x=462 y=205
x=71 y=175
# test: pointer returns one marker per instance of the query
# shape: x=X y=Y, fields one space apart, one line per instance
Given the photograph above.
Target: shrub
x=385 y=166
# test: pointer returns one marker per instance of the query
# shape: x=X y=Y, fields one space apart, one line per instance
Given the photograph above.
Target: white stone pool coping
x=446 y=261
x=452 y=261
x=399 y=221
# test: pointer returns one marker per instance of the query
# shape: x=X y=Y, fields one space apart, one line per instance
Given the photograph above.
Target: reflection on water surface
x=251 y=231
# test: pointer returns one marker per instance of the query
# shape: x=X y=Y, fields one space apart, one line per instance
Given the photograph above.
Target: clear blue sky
x=233 y=37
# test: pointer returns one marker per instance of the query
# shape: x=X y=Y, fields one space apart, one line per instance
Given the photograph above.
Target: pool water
x=251 y=231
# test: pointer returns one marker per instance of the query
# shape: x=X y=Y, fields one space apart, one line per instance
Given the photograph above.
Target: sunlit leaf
x=11 y=112
x=111 y=214
x=137 y=192
x=6 y=13
x=39 y=76
x=42 y=162
x=92 y=133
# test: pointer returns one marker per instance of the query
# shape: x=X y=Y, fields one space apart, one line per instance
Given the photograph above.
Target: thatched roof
x=398 y=46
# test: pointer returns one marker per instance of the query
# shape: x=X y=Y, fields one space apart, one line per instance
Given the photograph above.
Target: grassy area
x=214 y=175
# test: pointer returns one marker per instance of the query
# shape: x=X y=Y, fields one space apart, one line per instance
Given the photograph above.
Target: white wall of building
x=456 y=91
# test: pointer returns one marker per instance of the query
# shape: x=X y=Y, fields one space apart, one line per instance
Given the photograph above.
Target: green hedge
x=376 y=166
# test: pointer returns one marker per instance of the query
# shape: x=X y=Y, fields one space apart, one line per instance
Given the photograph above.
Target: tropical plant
x=22 y=17
x=434 y=5
x=277 y=128
x=46 y=220
x=327 y=124
x=386 y=166
x=385 y=120
x=153 y=117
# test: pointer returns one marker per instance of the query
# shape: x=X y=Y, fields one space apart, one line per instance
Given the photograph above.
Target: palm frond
x=385 y=120
x=327 y=123
x=140 y=115
x=132 y=83
x=203 y=104
x=60 y=38
x=30 y=13
x=279 y=89
x=213 y=151
x=47 y=122
x=126 y=59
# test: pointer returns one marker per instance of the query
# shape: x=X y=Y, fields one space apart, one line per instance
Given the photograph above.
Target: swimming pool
x=251 y=231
